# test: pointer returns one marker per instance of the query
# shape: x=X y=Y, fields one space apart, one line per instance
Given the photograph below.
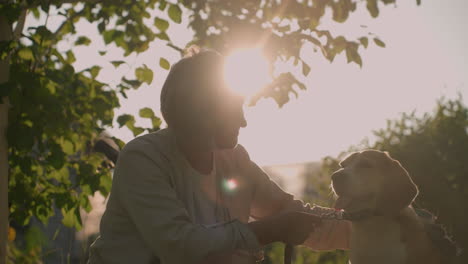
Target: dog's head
x=372 y=180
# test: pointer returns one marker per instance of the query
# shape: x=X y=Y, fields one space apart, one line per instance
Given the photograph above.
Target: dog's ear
x=397 y=190
x=349 y=159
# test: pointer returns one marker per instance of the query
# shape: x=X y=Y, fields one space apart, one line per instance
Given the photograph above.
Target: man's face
x=229 y=118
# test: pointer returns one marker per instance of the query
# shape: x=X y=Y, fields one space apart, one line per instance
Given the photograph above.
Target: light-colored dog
x=379 y=192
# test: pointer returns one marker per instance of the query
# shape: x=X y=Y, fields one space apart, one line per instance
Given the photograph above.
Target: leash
x=332 y=215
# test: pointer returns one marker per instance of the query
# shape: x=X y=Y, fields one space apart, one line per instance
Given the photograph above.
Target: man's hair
x=190 y=89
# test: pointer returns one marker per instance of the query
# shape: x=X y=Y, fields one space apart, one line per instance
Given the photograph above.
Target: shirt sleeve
x=143 y=184
x=270 y=199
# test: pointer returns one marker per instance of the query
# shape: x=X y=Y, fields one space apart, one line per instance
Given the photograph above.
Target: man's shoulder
x=159 y=141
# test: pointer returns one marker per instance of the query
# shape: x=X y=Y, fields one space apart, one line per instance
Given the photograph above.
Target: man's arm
x=270 y=199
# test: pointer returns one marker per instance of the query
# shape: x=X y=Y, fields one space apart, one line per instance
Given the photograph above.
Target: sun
x=246 y=71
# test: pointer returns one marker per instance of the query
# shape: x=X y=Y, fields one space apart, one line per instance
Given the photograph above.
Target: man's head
x=197 y=104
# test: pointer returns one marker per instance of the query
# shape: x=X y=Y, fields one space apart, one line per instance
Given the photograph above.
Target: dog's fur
x=371 y=180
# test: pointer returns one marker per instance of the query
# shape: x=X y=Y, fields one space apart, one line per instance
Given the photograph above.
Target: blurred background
x=323 y=78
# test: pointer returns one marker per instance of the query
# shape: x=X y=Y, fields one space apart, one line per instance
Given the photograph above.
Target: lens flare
x=246 y=71
x=230 y=185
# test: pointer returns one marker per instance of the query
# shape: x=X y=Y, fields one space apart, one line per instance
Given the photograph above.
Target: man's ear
x=397 y=189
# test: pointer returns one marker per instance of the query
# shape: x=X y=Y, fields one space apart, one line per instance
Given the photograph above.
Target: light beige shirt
x=161 y=208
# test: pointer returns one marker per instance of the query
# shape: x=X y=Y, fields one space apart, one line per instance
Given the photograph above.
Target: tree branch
x=73 y=16
x=20 y=25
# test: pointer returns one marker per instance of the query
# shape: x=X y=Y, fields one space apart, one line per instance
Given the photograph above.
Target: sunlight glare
x=230 y=185
x=246 y=71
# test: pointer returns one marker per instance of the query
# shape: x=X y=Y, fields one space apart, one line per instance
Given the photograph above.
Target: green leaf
x=43 y=212
x=136 y=130
x=162 y=36
x=119 y=142
x=44 y=32
x=162 y=5
x=144 y=74
x=84 y=202
x=52 y=87
x=156 y=122
x=122 y=120
x=36 y=13
x=133 y=83
x=95 y=71
x=379 y=43
x=101 y=26
x=45 y=6
x=175 y=14
x=305 y=69
x=146 y=112
x=340 y=11
x=164 y=64
x=353 y=55
x=28 y=123
x=105 y=184
x=108 y=36
x=339 y=44
x=129 y=121
x=72 y=218
x=82 y=40
x=117 y=63
x=373 y=8
x=418 y=2
x=70 y=57
x=102 y=53
x=364 y=41
x=161 y=24
x=26 y=54
x=62 y=175
x=67 y=147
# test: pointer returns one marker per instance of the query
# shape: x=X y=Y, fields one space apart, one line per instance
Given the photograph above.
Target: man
x=185 y=194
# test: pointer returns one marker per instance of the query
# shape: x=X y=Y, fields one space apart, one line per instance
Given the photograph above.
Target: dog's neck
x=373 y=225
x=377 y=239
x=400 y=239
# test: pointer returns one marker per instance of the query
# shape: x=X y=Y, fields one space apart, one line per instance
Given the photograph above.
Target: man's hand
x=290 y=228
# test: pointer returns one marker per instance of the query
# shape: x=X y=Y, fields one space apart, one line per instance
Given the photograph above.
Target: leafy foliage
x=57 y=112
x=282 y=28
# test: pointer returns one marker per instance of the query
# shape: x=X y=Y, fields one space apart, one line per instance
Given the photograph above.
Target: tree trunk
x=5 y=35
x=3 y=179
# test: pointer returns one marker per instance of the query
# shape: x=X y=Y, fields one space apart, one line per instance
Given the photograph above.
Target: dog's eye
x=364 y=164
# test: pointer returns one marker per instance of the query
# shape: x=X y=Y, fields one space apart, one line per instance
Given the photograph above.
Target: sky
x=425 y=58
